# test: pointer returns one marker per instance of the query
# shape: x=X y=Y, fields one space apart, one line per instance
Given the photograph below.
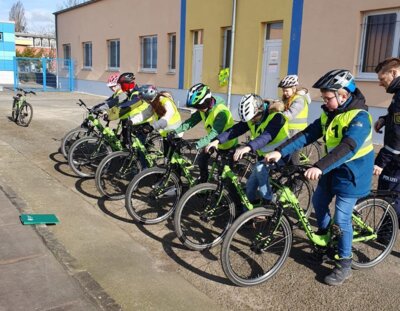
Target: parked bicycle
x=22 y=111
x=117 y=169
x=206 y=211
x=259 y=241
x=87 y=128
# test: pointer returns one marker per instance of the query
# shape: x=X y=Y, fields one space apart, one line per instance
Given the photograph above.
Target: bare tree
x=70 y=3
x=17 y=14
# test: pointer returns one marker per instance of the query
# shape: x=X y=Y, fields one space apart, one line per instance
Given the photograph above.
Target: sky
x=38 y=14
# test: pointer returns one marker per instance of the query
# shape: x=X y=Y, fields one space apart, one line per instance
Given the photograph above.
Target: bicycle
x=206 y=212
x=117 y=169
x=259 y=241
x=87 y=128
x=153 y=194
x=308 y=155
x=22 y=111
x=86 y=153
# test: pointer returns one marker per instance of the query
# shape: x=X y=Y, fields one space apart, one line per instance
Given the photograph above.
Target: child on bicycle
x=267 y=129
x=387 y=163
x=345 y=172
x=216 y=119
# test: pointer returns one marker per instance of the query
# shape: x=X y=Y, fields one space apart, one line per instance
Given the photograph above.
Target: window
x=67 y=54
x=380 y=39
x=87 y=54
x=1 y=36
x=274 y=31
x=198 y=37
x=226 y=54
x=113 y=54
x=149 y=53
x=172 y=52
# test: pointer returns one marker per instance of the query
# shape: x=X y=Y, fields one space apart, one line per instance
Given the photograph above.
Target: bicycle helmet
x=250 y=105
x=197 y=96
x=127 y=81
x=335 y=80
x=112 y=80
x=289 y=81
x=148 y=92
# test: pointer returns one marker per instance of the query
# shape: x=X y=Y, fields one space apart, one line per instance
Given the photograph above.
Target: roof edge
x=75 y=7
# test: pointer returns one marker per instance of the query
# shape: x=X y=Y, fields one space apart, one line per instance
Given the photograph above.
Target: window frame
x=172 y=52
x=152 y=68
x=1 y=36
x=67 y=60
x=90 y=44
x=117 y=55
x=225 y=53
x=396 y=43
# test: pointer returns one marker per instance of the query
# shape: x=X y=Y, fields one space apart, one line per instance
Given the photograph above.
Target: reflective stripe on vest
x=334 y=133
x=300 y=121
x=218 y=108
x=174 y=121
x=282 y=136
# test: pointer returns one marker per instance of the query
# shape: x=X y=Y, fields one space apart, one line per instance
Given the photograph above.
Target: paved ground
x=141 y=267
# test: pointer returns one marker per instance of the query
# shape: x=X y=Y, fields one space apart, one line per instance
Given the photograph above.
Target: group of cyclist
x=277 y=130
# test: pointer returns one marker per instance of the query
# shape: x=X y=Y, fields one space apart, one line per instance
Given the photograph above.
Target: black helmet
x=335 y=80
x=126 y=77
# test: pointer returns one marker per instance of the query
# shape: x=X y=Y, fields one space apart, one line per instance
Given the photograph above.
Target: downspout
x=231 y=58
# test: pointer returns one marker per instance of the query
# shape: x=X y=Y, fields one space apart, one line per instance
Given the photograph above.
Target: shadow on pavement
x=84 y=185
x=101 y=202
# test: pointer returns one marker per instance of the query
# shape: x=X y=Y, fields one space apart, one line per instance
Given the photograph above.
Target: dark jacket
x=352 y=178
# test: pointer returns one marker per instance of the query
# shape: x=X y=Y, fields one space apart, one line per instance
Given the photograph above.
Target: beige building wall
x=252 y=15
x=331 y=38
x=125 y=20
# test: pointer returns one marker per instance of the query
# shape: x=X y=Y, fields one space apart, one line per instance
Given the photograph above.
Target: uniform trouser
x=202 y=160
x=390 y=180
x=343 y=211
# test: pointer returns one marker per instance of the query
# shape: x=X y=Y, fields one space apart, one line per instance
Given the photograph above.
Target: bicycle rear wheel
x=203 y=217
x=255 y=248
x=25 y=115
x=379 y=215
x=71 y=137
x=115 y=172
x=152 y=197
x=86 y=154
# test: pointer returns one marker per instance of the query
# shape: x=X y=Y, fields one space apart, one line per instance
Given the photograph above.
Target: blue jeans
x=258 y=183
x=343 y=212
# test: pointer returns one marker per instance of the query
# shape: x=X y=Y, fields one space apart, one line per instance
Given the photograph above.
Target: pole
x=231 y=58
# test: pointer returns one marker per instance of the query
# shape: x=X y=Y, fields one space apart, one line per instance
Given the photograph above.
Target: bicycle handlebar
x=25 y=92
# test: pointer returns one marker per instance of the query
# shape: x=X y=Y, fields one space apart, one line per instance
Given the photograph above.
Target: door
x=197 y=59
x=271 y=68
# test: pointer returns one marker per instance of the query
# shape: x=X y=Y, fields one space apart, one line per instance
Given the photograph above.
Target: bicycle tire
x=115 y=172
x=14 y=112
x=72 y=136
x=25 y=115
x=244 y=258
x=381 y=216
x=200 y=221
x=86 y=154
x=141 y=200
x=308 y=155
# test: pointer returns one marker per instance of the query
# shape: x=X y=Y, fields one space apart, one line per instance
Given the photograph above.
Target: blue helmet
x=335 y=80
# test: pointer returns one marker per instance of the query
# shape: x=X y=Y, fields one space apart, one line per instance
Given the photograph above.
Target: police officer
x=387 y=163
x=346 y=170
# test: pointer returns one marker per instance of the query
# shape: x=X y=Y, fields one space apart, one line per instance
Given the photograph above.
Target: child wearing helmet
x=267 y=129
x=216 y=118
x=346 y=170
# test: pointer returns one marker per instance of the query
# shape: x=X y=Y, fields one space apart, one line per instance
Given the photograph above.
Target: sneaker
x=340 y=273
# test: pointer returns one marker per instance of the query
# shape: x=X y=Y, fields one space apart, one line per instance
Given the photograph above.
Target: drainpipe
x=232 y=49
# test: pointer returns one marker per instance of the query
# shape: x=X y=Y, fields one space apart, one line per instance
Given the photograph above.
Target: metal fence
x=46 y=74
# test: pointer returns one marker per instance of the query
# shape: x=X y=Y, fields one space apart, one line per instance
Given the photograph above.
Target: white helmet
x=249 y=106
x=289 y=81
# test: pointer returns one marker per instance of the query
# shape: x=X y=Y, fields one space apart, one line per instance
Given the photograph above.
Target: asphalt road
x=146 y=267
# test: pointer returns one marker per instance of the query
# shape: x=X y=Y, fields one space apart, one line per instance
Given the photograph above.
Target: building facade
x=7 y=52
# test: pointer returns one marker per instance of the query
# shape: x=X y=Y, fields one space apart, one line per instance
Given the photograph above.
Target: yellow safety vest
x=282 y=136
x=336 y=129
x=300 y=121
x=218 y=108
x=174 y=121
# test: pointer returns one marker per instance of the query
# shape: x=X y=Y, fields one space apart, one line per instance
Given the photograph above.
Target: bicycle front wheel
x=25 y=115
x=71 y=137
x=255 y=247
x=86 y=154
x=203 y=217
x=307 y=155
x=115 y=172
x=379 y=215
x=14 y=111
x=152 y=196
